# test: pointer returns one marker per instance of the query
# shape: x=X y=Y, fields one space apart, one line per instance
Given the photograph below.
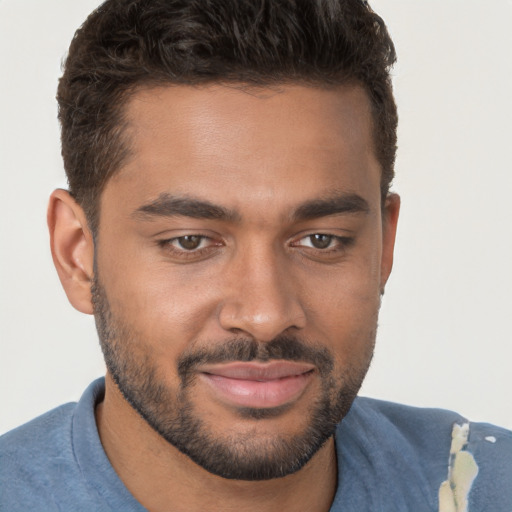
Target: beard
x=173 y=415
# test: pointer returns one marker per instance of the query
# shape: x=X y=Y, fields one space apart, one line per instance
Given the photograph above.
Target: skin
x=261 y=155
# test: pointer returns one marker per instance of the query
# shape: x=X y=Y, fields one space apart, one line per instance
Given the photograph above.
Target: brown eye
x=190 y=248
x=190 y=242
x=319 y=241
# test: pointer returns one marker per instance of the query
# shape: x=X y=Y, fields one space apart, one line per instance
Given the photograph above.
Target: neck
x=157 y=474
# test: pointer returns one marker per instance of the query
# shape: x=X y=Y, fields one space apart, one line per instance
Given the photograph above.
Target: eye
x=189 y=247
x=323 y=246
x=319 y=241
x=189 y=242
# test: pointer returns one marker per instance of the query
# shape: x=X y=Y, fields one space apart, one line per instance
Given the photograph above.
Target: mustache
x=244 y=350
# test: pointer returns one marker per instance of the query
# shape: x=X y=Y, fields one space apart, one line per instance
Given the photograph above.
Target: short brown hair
x=126 y=44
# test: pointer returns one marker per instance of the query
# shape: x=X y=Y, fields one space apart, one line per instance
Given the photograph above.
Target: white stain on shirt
x=462 y=471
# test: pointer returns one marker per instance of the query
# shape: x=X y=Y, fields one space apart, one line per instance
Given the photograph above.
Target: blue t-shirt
x=391 y=458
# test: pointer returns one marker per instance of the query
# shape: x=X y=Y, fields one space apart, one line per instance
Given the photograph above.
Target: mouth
x=258 y=385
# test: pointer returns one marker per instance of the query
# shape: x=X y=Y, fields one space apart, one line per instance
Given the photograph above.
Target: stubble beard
x=241 y=456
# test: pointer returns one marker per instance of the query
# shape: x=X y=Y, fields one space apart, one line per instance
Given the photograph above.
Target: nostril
x=237 y=331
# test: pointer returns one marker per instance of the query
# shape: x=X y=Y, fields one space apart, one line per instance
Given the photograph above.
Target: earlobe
x=72 y=247
x=389 y=224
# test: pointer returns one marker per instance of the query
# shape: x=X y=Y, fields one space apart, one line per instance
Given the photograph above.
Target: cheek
x=343 y=310
x=348 y=324
x=165 y=306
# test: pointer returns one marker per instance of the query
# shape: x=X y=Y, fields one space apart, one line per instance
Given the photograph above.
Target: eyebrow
x=171 y=206
x=338 y=204
x=167 y=205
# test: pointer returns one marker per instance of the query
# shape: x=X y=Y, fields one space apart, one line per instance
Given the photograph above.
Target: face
x=240 y=258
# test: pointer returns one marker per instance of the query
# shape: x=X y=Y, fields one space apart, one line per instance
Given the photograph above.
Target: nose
x=262 y=299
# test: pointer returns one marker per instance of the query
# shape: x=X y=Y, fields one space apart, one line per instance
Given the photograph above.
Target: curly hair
x=127 y=44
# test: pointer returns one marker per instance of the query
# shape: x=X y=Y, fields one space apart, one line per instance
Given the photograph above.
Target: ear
x=72 y=248
x=389 y=223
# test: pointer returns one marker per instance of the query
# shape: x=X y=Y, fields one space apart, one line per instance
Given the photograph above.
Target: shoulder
x=40 y=466
x=413 y=446
x=48 y=433
x=424 y=428
x=491 y=447
x=32 y=454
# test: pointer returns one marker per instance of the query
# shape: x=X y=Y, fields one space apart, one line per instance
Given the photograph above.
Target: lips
x=257 y=385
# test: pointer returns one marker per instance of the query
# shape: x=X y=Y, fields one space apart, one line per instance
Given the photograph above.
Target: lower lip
x=258 y=394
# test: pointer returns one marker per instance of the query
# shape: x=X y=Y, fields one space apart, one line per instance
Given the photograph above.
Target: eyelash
x=341 y=244
x=184 y=253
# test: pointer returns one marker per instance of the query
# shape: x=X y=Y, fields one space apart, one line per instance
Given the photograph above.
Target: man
x=229 y=224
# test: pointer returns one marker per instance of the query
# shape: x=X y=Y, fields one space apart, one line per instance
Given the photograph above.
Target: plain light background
x=444 y=337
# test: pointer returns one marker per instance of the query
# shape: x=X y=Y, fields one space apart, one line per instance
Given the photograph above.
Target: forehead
x=232 y=145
